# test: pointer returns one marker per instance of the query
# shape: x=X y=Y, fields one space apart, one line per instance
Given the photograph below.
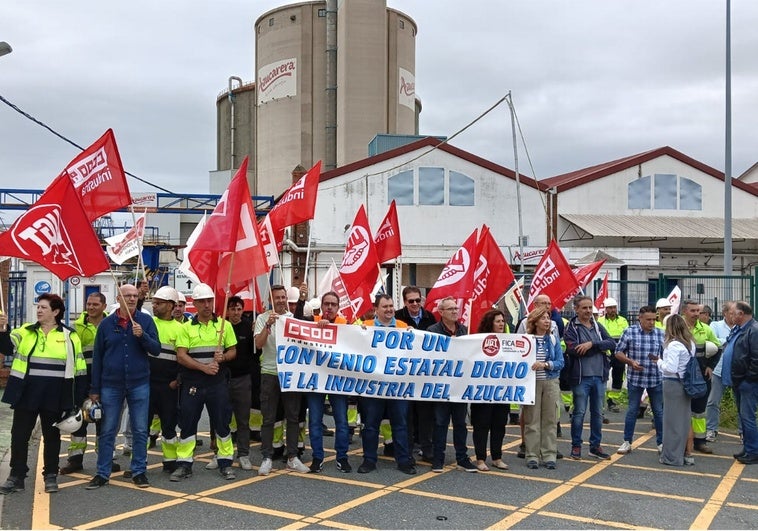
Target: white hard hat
x=595 y=310
x=71 y=423
x=293 y=294
x=307 y=309
x=166 y=293
x=202 y=291
x=663 y=303
x=315 y=303
x=610 y=301
x=180 y=297
x=711 y=349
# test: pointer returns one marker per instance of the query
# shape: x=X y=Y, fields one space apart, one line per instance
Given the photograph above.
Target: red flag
x=602 y=295
x=387 y=238
x=586 y=273
x=553 y=277
x=56 y=233
x=297 y=204
x=492 y=276
x=230 y=230
x=359 y=263
x=457 y=277
x=98 y=176
x=271 y=241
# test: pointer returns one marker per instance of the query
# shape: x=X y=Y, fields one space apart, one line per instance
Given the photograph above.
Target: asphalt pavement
x=630 y=491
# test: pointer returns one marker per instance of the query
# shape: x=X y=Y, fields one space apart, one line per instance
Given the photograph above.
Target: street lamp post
x=5 y=48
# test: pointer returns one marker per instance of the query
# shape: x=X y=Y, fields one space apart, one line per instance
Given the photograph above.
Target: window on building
x=431 y=186
x=461 y=189
x=665 y=191
x=401 y=24
x=322 y=12
x=668 y=192
x=271 y=21
x=401 y=188
x=690 y=195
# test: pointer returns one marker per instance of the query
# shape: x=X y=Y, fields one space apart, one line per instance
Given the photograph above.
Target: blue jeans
x=111 y=398
x=315 y=426
x=372 y=412
x=655 y=394
x=747 y=400
x=443 y=412
x=592 y=387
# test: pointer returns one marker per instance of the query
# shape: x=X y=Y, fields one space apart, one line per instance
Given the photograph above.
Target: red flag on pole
x=272 y=242
x=586 y=273
x=553 y=277
x=98 y=176
x=297 y=204
x=457 y=277
x=602 y=295
x=387 y=238
x=230 y=229
x=56 y=233
x=492 y=276
x=359 y=263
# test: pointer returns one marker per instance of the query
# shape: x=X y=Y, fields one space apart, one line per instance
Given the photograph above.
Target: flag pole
x=226 y=300
x=307 y=254
x=140 y=263
x=2 y=302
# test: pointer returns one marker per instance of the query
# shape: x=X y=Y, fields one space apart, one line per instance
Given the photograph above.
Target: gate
x=712 y=290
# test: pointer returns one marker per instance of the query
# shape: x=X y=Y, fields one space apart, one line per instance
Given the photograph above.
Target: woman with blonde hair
x=678 y=348
x=540 y=419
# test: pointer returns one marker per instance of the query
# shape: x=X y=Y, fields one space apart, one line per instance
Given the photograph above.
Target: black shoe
x=141 y=481
x=558 y=455
x=51 y=483
x=153 y=441
x=198 y=442
x=227 y=473
x=255 y=436
x=96 y=483
x=748 y=459
x=466 y=465
x=181 y=472
x=278 y=453
x=521 y=451
x=317 y=465
x=326 y=431
x=127 y=474
x=739 y=454
x=606 y=420
x=366 y=467
x=343 y=465
x=533 y=465
x=389 y=450
x=703 y=448
x=613 y=406
x=70 y=467
x=429 y=458
x=558 y=431
x=13 y=484
x=407 y=468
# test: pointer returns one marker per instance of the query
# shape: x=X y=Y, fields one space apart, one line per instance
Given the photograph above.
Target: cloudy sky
x=592 y=81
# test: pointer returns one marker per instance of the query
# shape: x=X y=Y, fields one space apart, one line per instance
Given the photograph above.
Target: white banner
x=123 y=246
x=405 y=363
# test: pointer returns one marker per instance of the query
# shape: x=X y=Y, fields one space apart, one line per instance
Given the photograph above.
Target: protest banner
x=405 y=363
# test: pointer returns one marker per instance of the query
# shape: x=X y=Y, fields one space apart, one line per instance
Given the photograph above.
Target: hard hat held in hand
x=711 y=349
x=71 y=422
x=92 y=411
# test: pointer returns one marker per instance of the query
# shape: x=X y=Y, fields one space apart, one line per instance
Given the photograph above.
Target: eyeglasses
x=413 y=301
x=453 y=309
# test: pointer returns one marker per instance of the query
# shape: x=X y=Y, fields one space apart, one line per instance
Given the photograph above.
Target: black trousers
x=21 y=431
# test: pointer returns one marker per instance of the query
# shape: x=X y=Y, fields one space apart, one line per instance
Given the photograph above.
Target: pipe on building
x=330 y=122
x=231 y=120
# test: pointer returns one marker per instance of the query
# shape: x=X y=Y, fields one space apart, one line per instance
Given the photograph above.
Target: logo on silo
x=277 y=80
x=407 y=89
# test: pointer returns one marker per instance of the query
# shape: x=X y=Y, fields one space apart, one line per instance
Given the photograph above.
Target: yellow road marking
x=643 y=493
x=254 y=509
x=668 y=470
x=438 y=496
x=342 y=525
x=713 y=505
x=742 y=506
x=41 y=500
x=123 y=516
x=594 y=521
x=352 y=503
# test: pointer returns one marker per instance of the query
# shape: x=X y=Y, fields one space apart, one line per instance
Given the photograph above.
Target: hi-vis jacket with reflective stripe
x=55 y=355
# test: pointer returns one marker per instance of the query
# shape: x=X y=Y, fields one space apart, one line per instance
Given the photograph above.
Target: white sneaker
x=624 y=448
x=265 y=468
x=710 y=436
x=212 y=464
x=660 y=449
x=293 y=463
x=245 y=463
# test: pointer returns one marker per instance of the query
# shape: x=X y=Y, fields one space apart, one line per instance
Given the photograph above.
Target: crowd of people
x=161 y=371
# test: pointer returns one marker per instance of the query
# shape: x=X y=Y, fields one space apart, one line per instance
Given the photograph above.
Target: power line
x=42 y=124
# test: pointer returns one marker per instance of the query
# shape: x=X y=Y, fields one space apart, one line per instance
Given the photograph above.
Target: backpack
x=694 y=384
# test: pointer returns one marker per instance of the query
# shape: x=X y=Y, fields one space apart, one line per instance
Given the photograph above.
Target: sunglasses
x=413 y=301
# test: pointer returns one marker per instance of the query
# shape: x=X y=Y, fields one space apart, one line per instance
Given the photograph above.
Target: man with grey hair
x=713 y=406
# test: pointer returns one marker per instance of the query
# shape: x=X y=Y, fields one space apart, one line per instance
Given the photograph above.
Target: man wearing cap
x=662 y=308
x=206 y=342
x=271 y=395
x=121 y=370
x=707 y=359
x=615 y=325
x=164 y=371
x=240 y=385
x=633 y=349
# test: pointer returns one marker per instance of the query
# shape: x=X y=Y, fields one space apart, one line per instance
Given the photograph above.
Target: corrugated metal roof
x=661 y=226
